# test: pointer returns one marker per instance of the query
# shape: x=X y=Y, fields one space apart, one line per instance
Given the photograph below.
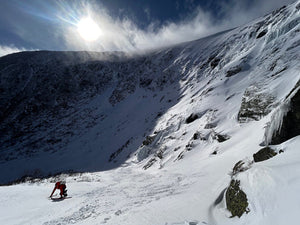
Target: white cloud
x=5 y=50
x=125 y=35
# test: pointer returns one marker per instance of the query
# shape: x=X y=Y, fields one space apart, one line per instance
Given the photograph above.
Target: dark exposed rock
x=273 y=65
x=196 y=136
x=229 y=97
x=214 y=63
x=176 y=149
x=199 y=136
x=236 y=199
x=264 y=154
x=180 y=156
x=261 y=34
x=222 y=137
x=259 y=25
x=233 y=71
x=206 y=91
x=149 y=163
x=210 y=125
x=149 y=140
x=159 y=154
x=192 y=118
x=241 y=166
x=189 y=146
x=278 y=72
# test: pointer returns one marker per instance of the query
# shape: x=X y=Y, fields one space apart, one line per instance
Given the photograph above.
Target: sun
x=88 y=29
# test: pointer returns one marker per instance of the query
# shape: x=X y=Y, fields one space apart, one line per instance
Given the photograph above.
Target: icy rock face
x=284 y=122
x=274 y=126
x=290 y=120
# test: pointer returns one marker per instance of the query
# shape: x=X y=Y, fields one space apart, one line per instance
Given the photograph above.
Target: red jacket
x=60 y=186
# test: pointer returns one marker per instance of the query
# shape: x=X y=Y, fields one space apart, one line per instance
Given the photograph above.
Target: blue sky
x=126 y=25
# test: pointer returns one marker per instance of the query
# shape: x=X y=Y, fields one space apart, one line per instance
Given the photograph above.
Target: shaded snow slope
x=159 y=132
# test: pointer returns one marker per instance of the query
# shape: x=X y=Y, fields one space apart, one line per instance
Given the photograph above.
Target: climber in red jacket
x=62 y=187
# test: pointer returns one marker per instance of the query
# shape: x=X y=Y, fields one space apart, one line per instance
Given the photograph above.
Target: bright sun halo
x=88 y=29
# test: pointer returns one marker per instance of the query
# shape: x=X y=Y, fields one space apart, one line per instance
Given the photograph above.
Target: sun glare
x=88 y=29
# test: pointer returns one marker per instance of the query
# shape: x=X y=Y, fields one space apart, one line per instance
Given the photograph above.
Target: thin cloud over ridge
x=125 y=35
x=5 y=50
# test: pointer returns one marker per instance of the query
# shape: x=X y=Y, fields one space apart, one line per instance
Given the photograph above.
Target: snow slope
x=180 y=194
x=158 y=136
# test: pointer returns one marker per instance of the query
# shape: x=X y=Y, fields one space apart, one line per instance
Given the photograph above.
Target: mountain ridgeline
x=89 y=111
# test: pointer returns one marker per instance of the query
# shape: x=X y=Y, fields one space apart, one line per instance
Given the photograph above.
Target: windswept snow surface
x=179 y=195
x=235 y=82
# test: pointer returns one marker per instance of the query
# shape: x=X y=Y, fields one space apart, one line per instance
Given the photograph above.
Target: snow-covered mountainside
x=195 y=133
